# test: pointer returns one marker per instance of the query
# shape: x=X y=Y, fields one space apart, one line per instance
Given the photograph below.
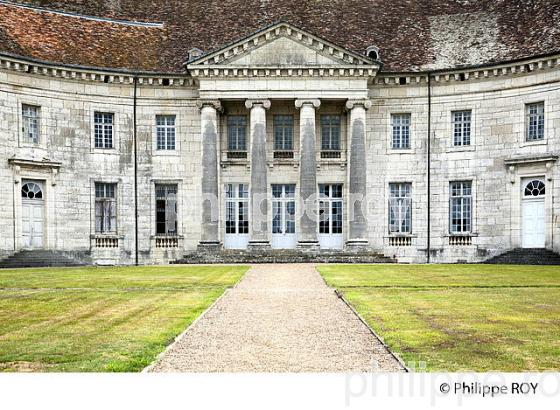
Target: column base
x=258 y=245
x=308 y=245
x=209 y=246
x=357 y=245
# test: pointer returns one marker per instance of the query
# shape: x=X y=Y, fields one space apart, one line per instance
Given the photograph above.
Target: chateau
x=139 y=131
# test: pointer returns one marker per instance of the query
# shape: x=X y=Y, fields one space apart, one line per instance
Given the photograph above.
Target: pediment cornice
x=333 y=60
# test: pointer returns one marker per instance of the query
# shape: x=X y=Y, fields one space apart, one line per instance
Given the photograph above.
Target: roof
x=412 y=35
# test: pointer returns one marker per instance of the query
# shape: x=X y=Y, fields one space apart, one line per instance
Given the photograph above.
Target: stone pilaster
x=357 y=171
x=210 y=236
x=307 y=237
x=259 y=180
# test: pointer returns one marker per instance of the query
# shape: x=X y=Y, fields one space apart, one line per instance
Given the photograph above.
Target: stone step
x=282 y=256
x=526 y=256
x=43 y=258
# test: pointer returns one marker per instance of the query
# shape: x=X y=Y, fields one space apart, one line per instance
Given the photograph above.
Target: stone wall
x=67 y=106
x=498 y=134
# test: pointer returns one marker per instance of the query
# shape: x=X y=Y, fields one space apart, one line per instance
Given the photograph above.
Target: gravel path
x=279 y=318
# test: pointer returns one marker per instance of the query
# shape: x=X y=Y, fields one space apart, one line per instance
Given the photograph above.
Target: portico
x=295 y=106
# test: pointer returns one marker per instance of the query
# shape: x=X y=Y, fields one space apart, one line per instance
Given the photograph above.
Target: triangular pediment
x=282 y=46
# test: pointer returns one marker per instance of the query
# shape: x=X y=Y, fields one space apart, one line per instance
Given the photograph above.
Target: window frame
x=328 y=202
x=404 y=196
x=281 y=206
x=106 y=199
x=527 y=122
x=24 y=139
x=167 y=187
x=167 y=130
x=113 y=130
x=392 y=125
x=322 y=129
x=462 y=197
x=229 y=133
x=278 y=125
x=461 y=123
x=241 y=194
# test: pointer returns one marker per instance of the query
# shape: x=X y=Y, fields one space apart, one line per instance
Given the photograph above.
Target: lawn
x=459 y=317
x=101 y=319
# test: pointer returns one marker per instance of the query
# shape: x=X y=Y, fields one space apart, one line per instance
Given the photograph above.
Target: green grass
x=459 y=317
x=101 y=319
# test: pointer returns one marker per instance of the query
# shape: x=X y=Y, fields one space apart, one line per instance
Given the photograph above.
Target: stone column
x=357 y=173
x=307 y=174
x=210 y=236
x=258 y=234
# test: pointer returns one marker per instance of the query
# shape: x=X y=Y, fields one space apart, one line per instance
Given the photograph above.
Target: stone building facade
x=280 y=140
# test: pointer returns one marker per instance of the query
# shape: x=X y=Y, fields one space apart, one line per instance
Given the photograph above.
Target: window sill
x=326 y=162
x=533 y=143
x=235 y=162
x=473 y=234
x=395 y=151
x=292 y=162
x=402 y=235
x=105 y=151
x=166 y=236
x=31 y=145
x=465 y=148
x=106 y=235
x=166 y=152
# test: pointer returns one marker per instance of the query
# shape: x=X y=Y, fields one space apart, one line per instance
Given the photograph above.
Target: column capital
x=250 y=103
x=209 y=103
x=315 y=102
x=350 y=104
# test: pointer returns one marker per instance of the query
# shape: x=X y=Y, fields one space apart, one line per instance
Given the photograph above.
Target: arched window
x=31 y=190
x=534 y=188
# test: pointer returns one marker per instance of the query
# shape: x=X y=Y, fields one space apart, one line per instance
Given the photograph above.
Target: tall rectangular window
x=330 y=132
x=103 y=129
x=283 y=126
x=461 y=128
x=237 y=132
x=105 y=208
x=283 y=209
x=535 y=121
x=165 y=132
x=400 y=208
x=460 y=207
x=330 y=209
x=30 y=123
x=400 y=136
x=166 y=209
x=237 y=209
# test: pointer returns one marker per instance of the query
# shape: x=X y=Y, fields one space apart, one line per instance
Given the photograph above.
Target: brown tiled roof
x=413 y=35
